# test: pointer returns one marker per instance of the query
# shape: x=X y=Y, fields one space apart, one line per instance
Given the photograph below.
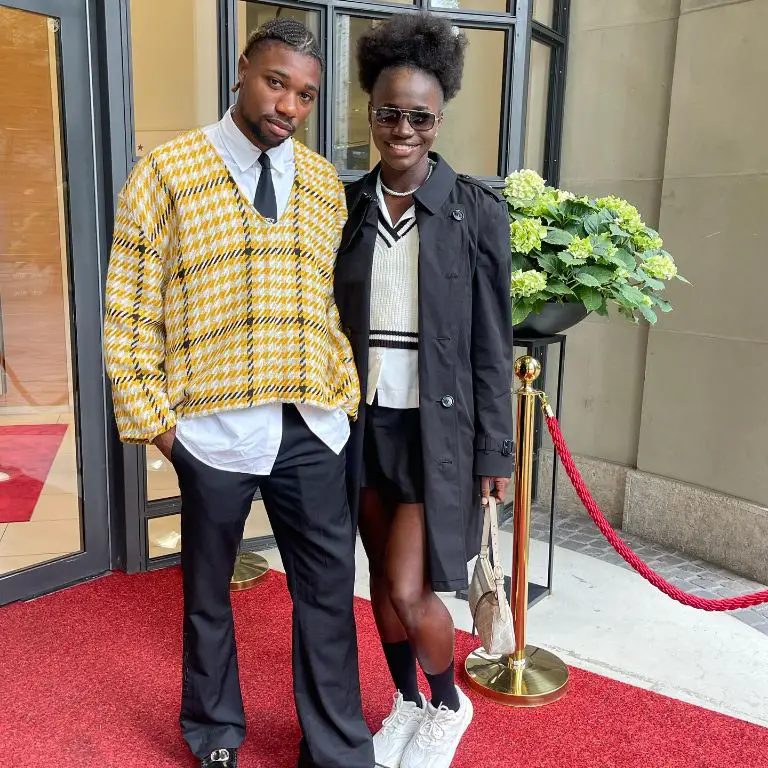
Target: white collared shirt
x=248 y=439
x=393 y=359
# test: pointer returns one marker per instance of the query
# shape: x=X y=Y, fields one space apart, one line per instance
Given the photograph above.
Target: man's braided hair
x=288 y=32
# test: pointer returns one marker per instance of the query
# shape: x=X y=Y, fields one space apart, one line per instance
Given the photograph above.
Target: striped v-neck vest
x=210 y=307
x=395 y=285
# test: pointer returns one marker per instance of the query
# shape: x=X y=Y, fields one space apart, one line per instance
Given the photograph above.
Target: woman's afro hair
x=420 y=41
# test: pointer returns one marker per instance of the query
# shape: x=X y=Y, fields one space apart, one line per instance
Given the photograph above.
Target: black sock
x=402 y=667
x=444 y=689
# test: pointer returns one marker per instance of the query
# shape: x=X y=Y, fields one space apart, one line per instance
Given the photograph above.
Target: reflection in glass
x=164 y=533
x=479 y=6
x=175 y=62
x=470 y=136
x=544 y=11
x=353 y=148
x=538 y=99
x=40 y=504
x=252 y=15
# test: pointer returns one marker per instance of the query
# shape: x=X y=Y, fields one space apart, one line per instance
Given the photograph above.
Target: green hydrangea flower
x=523 y=185
x=620 y=274
x=647 y=301
x=660 y=266
x=580 y=247
x=527 y=283
x=539 y=205
x=643 y=242
x=526 y=234
x=562 y=196
x=629 y=217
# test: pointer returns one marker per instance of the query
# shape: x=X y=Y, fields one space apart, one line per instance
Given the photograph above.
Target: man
x=224 y=349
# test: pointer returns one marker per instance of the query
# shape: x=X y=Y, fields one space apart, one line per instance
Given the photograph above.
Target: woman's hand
x=496 y=486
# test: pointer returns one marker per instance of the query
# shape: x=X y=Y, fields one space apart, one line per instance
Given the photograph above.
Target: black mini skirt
x=393 y=463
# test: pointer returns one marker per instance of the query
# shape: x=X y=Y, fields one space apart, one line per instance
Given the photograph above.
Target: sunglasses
x=419 y=119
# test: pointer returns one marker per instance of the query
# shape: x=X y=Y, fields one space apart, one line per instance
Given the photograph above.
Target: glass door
x=54 y=526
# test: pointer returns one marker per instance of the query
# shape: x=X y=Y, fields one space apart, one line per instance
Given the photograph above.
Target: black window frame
x=521 y=30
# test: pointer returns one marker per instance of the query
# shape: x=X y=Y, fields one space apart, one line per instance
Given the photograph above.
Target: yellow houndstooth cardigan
x=208 y=306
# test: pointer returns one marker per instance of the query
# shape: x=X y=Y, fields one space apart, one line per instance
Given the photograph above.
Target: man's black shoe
x=220 y=758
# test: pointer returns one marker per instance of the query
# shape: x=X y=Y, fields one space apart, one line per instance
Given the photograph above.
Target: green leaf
x=598 y=275
x=521 y=261
x=576 y=209
x=586 y=279
x=520 y=310
x=548 y=262
x=590 y=298
x=650 y=282
x=554 y=212
x=558 y=237
x=596 y=222
x=592 y=223
x=625 y=258
x=662 y=304
x=617 y=231
x=603 y=309
x=628 y=313
x=633 y=295
x=569 y=259
x=680 y=277
x=648 y=314
x=559 y=288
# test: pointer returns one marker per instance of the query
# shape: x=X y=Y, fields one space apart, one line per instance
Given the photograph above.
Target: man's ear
x=242 y=68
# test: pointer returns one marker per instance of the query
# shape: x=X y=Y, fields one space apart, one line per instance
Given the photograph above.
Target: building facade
x=86 y=88
x=665 y=106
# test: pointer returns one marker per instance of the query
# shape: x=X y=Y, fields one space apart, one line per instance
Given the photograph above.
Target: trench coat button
x=457 y=215
x=446 y=401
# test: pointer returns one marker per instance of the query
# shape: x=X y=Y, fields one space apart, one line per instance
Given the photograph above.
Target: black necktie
x=264 y=200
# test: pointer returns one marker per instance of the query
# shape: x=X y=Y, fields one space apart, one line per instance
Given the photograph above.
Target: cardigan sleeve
x=492 y=351
x=134 y=334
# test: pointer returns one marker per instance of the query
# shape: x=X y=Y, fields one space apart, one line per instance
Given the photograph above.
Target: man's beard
x=263 y=137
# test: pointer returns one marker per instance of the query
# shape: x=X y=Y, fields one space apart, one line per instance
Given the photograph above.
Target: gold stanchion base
x=542 y=679
x=249 y=569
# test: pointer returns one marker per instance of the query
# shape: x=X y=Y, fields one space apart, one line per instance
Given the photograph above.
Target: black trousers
x=306 y=501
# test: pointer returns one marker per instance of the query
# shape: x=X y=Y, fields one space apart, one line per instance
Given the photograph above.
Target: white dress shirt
x=393 y=372
x=248 y=439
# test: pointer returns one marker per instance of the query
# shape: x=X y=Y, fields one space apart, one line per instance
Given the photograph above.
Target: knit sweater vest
x=210 y=307
x=395 y=286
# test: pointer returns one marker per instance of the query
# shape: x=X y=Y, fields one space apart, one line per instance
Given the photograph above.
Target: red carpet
x=90 y=676
x=26 y=454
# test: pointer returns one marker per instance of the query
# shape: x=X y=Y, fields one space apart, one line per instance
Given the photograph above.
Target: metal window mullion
x=556 y=107
x=228 y=53
x=546 y=34
x=520 y=70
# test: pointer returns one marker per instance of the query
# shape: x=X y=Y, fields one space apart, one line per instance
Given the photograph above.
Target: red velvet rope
x=705 y=604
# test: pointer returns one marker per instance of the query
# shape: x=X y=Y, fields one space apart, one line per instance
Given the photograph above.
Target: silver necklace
x=410 y=192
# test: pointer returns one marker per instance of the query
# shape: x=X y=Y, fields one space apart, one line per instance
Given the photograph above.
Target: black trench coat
x=465 y=351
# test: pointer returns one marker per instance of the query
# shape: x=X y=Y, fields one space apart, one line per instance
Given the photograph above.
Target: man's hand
x=164 y=442
x=496 y=486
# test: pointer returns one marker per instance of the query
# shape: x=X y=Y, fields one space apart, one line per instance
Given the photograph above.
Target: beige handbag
x=491 y=612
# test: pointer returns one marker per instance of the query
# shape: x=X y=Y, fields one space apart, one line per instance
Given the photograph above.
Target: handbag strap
x=491 y=532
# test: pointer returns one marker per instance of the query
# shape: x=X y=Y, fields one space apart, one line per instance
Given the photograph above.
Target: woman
x=422 y=286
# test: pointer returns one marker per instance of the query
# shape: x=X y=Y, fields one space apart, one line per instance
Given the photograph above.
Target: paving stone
x=691 y=568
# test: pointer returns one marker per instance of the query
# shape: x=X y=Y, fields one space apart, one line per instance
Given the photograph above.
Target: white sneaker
x=438 y=737
x=397 y=730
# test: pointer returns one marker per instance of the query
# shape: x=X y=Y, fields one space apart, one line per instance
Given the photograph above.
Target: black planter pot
x=555 y=318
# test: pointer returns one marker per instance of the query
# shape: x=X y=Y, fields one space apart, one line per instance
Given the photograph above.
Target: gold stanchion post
x=530 y=677
x=250 y=568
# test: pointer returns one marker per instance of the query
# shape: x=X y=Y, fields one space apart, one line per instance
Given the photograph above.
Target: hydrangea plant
x=593 y=251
